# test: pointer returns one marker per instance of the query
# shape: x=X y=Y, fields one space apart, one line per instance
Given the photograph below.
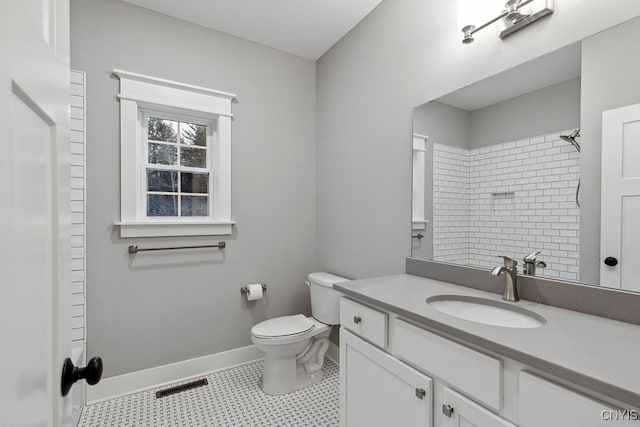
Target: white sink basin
x=486 y=311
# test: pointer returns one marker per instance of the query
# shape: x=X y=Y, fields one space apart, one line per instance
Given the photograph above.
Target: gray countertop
x=599 y=354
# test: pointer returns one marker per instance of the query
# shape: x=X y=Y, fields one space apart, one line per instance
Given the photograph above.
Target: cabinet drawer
x=543 y=403
x=469 y=371
x=366 y=322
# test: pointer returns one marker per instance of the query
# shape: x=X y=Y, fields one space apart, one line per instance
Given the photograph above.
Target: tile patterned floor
x=232 y=398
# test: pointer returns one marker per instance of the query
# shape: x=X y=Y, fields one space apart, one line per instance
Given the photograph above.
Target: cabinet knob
x=611 y=261
x=357 y=320
x=447 y=410
x=420 y=393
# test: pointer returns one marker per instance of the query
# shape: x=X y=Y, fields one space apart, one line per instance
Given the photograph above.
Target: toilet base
x=305 y=380
x=282 y=375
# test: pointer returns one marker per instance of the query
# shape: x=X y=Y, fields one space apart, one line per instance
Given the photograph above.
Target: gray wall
x=544 y=111
x=443 y=124
x=403 y=54
x=158 y=308
x=610 y=79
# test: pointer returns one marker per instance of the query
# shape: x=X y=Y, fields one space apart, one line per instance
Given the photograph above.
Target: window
x=175 y=158
x=178 y=167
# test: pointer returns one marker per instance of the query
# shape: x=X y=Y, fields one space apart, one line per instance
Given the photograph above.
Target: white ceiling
x=306 y=28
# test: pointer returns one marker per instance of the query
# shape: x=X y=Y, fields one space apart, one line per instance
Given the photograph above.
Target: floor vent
x=182 y=387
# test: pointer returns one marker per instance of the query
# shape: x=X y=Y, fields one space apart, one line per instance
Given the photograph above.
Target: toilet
x=295 y=346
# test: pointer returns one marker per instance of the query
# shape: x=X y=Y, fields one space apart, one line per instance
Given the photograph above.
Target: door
x=458 y=411
x=620 y=200
x=377 y=390
x=34 y=214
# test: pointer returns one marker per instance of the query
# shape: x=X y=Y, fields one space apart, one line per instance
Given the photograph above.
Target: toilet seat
x=283 y=327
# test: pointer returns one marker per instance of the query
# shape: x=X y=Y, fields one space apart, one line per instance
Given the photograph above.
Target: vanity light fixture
x=514 y=17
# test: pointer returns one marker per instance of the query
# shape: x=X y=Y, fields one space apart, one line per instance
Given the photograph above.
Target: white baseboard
x=333 y=353
x=134 y=382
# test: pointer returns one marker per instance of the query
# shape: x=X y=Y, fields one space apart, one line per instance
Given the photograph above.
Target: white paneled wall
x=78 y=252
x=521 y=196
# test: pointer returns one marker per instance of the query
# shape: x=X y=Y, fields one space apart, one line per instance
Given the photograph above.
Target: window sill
x=169 y=228
x=419 y=224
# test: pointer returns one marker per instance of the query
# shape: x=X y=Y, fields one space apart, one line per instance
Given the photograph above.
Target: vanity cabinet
x=396 y=373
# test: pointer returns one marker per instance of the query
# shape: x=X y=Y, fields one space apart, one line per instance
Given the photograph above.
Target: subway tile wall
x=78 y=233
x=520 y=197
x=451 y=220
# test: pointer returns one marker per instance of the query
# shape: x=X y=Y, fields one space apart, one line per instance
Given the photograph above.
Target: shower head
x=571 y=139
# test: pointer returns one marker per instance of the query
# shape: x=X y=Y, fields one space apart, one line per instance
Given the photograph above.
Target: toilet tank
x=325 y=301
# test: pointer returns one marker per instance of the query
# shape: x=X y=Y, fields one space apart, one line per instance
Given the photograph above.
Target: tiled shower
x=500 y=199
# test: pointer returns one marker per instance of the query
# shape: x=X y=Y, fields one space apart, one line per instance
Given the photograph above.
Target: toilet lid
x=282 y=326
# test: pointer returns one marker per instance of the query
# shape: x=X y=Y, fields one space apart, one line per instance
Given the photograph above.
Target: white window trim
x=418 y=220
x=141 y=93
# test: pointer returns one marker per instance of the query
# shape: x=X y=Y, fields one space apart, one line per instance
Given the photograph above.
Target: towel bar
x=133 y=249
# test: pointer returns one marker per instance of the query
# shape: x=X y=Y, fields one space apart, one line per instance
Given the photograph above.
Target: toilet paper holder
x=244 y=290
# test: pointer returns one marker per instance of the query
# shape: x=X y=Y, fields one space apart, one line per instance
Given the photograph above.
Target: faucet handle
x=510 y=263
x=532 y=256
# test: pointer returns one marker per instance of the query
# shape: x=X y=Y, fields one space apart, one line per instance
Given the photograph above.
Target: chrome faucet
x=509 y=269
x=531 y=262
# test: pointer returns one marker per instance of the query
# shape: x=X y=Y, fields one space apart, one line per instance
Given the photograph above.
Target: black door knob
x=611 y=261
x=70 y=373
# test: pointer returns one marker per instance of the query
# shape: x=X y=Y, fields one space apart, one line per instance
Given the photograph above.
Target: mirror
x=510 y=166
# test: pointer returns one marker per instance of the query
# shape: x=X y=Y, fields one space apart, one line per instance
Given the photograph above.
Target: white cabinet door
x=542 y=403
x=619 y=225
x=458 y=411
x=377 y=390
